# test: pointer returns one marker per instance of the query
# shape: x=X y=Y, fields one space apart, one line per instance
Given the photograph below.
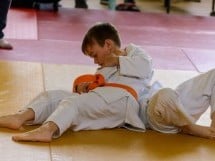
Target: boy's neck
x=120 y=52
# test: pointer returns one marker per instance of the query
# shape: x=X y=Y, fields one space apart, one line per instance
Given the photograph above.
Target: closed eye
x=92 y=55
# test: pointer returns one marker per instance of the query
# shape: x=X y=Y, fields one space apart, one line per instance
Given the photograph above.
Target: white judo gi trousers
x=87 y=111
x=169 y=108
x=198 y=94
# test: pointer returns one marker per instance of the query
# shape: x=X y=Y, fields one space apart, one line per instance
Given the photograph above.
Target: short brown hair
x=99 y=33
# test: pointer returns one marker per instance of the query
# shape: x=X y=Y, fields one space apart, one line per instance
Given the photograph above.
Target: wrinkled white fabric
x=198 y=93
x=168 y=109
x=147 y=93
x=165 y=112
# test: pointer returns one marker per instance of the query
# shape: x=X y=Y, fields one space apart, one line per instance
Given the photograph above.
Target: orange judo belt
x=98 y=80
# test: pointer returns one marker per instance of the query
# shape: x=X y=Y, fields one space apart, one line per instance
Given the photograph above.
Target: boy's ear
x=109 y=43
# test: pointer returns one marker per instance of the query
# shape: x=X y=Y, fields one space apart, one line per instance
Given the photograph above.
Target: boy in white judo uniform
x=99 y=108
x=173 y=111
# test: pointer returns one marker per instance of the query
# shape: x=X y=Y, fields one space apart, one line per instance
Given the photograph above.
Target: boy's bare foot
x=15 y=121
x=42 y=134
x=11 y=121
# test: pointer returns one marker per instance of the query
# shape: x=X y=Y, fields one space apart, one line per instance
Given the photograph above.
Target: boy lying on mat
x=125 y=73
x=118 y=95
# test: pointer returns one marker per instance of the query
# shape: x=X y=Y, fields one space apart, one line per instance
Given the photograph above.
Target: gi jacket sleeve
x=136 y=64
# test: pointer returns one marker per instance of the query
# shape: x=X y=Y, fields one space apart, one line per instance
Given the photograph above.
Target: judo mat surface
x=21 y=81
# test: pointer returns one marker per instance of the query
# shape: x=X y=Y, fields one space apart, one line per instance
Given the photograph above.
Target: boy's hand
x=82 y=87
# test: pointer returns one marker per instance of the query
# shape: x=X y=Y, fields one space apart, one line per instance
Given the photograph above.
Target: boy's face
x=98 y=53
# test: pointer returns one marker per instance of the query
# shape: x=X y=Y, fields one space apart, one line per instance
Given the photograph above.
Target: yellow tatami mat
x=21 y=81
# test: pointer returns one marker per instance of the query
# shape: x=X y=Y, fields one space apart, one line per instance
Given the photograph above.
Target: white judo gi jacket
x=103 y=107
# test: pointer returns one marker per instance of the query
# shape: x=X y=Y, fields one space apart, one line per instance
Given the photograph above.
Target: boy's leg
x=59 y=121
x=15 y=121
x=197 y=94
x=56 y=122
x=49 y=102
x=46 y=103
x=80 y=113
x=36 y=112
x=194 y=97
x=198 y=130
x=43 y=134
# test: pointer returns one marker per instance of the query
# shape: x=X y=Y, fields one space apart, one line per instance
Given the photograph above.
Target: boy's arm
x=137 y=65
